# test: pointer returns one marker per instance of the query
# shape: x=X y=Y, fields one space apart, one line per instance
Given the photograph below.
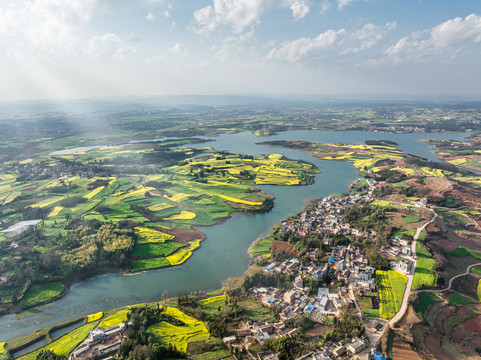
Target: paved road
x=407 y=292
x=450 y=284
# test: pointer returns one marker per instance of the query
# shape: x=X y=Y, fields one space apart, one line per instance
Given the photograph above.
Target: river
x=224 y=253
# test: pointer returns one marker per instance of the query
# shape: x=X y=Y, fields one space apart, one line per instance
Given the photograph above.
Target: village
x=343 y=277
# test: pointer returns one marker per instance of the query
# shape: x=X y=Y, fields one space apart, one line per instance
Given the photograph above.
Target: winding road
x=467 y=272
x=407 y=292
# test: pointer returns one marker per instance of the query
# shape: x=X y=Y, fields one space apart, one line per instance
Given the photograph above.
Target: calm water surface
x=224 y=253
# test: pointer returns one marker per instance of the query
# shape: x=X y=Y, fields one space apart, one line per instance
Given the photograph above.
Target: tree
x=49 y=355
x=165 y=296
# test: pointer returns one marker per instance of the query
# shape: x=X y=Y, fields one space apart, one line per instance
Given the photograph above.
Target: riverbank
x=225 y=242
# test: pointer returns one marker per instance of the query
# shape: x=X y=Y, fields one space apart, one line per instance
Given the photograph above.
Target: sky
x=62 y=49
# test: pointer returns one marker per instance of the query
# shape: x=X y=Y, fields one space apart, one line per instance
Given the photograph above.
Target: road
x=450 y=284
x=407 y=292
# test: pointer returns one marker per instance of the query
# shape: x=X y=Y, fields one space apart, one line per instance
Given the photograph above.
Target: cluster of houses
x=325 y=217
x=39 y=171
x=100 y=343
x=250 y=332
x=400 y=252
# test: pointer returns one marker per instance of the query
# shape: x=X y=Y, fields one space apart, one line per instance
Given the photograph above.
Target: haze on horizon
x=55 y=49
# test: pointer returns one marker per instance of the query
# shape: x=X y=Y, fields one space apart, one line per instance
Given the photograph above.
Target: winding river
x=224 y=253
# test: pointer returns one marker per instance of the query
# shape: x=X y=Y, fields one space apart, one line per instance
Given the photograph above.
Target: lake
x=224 y=253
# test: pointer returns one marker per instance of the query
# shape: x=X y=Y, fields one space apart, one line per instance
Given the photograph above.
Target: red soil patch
x=319 y=330
x=473 y=243
x=402 y=351
x=182 y=235
x=465 y=196
x=433 y=342
x=432 y=228
x=438 y=186
x=448 y=158
x=467 y=335
x=468 y=327
x=281 y=246
x=447 y=245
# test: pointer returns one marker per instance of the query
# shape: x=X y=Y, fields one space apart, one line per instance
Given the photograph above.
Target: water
x=76 y=150
x=32 y=347
x=224 y=253
x=57 y=333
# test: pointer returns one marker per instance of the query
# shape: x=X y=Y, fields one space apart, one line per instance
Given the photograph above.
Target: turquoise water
x=224 y=253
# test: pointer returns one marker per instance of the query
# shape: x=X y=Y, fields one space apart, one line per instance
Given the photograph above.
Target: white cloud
x=448 y=39
x=150 y=16
x=177 y=49
x=43 y=27
x=343 y=3
x=367 y=36
x=237 y=15
x=331 y=42
x=108 y=45
x=325 y=6
x=299 y=49
x=300 y=9
x=124 y=52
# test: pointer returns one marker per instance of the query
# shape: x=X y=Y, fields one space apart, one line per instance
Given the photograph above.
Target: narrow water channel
x=224 y=253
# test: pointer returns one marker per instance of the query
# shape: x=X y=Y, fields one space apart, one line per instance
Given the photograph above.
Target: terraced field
x=183 y=192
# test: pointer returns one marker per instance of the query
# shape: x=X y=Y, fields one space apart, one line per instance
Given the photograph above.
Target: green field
x=367 y=310
x=163 y=249
x=261 y=247
x=152 y=263
x=66 y=343
x=41 y=293
x=211 y=305
x=463 y=252
x=479 y=290
x=391 y=285
x=213 y=355
x=178 y=336
x=476 y=270
x=411 y=219
x=424 y=274
x=456 y=299
x=165 y=188
x=424 y=301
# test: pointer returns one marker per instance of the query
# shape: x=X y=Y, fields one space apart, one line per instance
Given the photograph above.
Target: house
x=96 y=335
x=268 y=355
x=322 y=292
x=243 y=332
x=81 y=351
x=356 y=346
x=403 y=266
x=339 y=351
x=341 y=265
x=314 y=356
x=20 y=227
x=298 y=282
x=378 y=356
x=406 y=250
x=289 y=297
x=229 y=339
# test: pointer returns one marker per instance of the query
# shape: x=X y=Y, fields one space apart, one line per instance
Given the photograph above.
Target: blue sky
x=100 y=48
